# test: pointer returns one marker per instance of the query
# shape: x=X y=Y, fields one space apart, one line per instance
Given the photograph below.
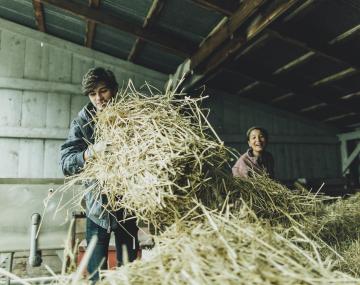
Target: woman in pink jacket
x=256 y=158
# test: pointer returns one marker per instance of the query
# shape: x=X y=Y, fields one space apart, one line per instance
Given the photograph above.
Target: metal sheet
x=18 y=202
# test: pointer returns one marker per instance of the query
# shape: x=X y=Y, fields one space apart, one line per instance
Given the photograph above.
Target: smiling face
x=100 y=96
x=257 y=141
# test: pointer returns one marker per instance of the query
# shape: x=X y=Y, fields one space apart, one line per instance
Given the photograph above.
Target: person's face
x=100 y=96
x=257 y=141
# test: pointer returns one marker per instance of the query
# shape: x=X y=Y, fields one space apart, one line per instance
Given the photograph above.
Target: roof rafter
x=223 y=43
x=150 y=18
x=39 y=15
x=91 y=25
x=166 y=40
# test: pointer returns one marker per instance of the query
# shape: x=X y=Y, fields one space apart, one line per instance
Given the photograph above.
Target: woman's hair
x=96 y=75
x=261 y=129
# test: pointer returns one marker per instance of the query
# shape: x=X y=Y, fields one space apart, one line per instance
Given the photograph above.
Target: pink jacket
x=248 y=162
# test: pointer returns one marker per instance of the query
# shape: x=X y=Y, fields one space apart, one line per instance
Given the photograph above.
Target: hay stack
x=161 y=148
x=224 y=249
x=166 y=165
x=340 y=222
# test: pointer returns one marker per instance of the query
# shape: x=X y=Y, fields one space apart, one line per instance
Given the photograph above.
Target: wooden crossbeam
x=232 y=47
x=91 y=25
x=227 y=7
x=39 y=15
x=150 y=18
x=166 y=40
x=225 y=32
x=223 y=43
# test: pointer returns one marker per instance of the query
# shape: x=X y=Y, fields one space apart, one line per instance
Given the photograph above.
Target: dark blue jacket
x=81 y=134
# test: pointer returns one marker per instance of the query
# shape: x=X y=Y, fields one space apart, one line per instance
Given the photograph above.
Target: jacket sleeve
x=240 y=169
x=72 y=151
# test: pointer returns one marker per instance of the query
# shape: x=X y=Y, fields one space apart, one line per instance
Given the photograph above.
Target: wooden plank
x=51 y=159
x=229 y=49
x=39 y=15
x=39 y=85
x=10 y=107
x=225 y=32
x=58 y=111
x=91 y=25
x=36 y=60
x=12 y=55
x=34 y=133
x=9 y=158
x=60 y=65
x=150 y=18
x=165 y=40
x=31 y=158
x=33 y=109
x=224 y=7
x=349 y=136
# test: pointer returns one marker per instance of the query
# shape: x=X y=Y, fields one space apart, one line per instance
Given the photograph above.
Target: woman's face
x=257 y=141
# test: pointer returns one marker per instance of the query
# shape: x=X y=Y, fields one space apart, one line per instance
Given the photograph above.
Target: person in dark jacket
x=256 y=158
x=101 y=87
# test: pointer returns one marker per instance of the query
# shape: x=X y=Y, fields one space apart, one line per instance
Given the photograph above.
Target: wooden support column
x=91 y=25
x=39 y=15
x=345 y=157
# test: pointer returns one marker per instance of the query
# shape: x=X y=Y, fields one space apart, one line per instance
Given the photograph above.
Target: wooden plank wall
x=40 y=80
x=301 y=148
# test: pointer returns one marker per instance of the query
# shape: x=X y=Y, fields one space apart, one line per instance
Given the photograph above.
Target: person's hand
x=98 y=149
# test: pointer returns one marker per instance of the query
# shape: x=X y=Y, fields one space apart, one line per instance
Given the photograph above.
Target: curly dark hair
x=261 y=129
x=96 y=75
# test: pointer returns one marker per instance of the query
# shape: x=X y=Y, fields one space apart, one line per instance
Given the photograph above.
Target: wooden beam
x=235 y=44
x=225 y=32
x=227 y=7
x=166 y=40
x=308 y=48
x=91 y=25
x=150 y=18
x=39 y=15
x=355 y=135
x=345 y=35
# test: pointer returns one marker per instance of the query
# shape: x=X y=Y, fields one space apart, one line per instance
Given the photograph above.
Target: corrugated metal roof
x=133 y=11
x=19 y=11
x=154 y=57
x=279 y=66
x=113 y=41
x=64 y=25
x=188 y=20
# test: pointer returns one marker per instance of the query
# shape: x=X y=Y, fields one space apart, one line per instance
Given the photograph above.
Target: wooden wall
x=40 y=79
x=301 y=148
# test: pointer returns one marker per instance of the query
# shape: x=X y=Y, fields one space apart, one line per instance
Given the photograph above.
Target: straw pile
x=350 y=251
x=166 y=165
x=340 y=221
x=273 y=201
x=224 y=249
x=161 y=148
